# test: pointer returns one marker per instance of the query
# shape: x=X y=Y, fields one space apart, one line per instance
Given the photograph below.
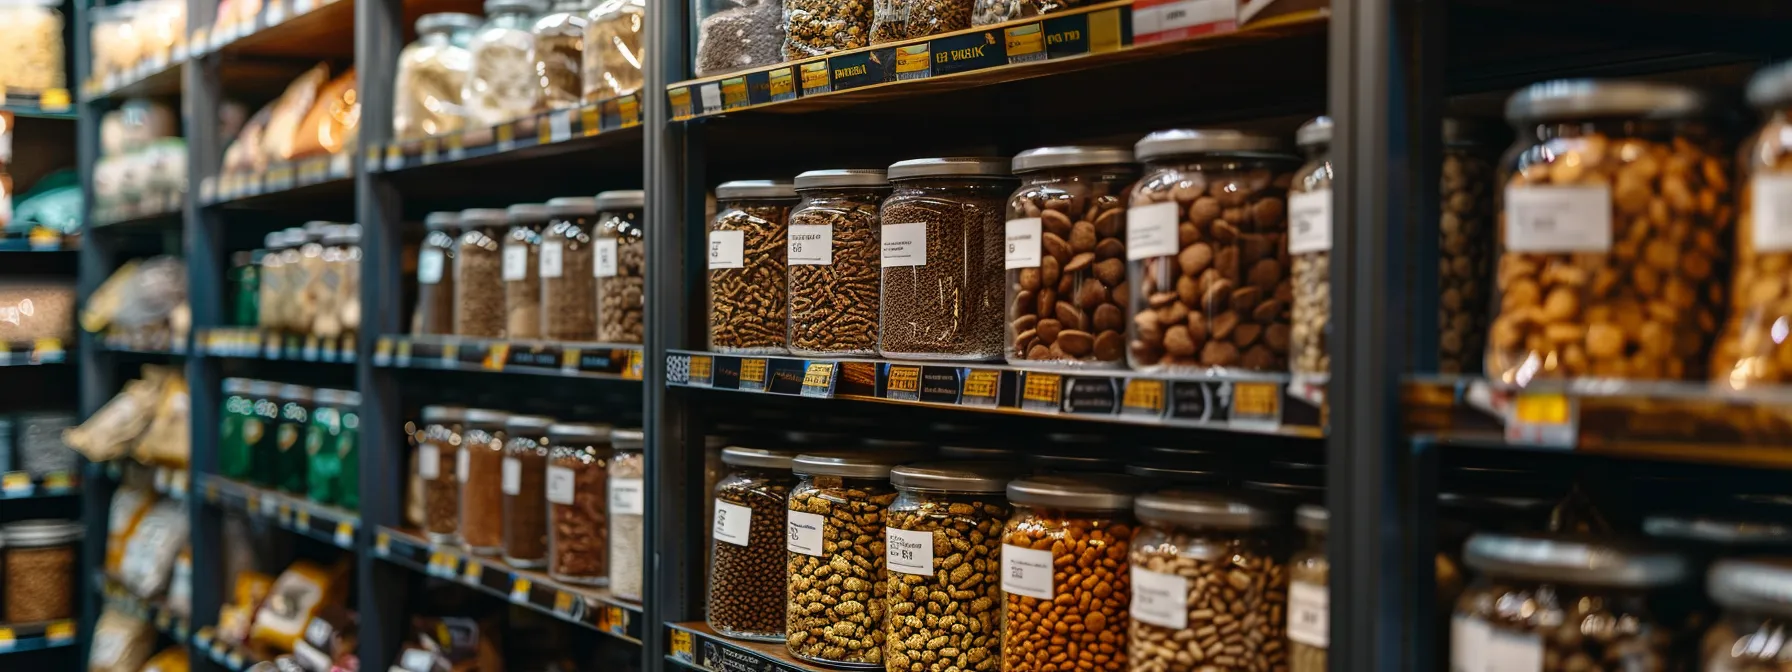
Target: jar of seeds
x=568 y=280
x=1310 y=244
x=619 y=260
x=480 y=470
x=941 y=237
x=41 y=569
x=524 y=481
x=820 y=27
x=737 y=35
x=628 y=513
x=522 y=270
x=747 y=270
x=943 y=556
x=479 y=285
x=748 y=575
x=1309 y=595
x=835 y=538
x=1064 y=565
x=1465 y=243
x=435 y=275
x=438 y=453
x=559 y=54
x=578 y=503
x=1756 y=595
x=834 y=270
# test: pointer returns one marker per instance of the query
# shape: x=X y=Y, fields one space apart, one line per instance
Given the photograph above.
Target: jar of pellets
x=479 y=274
x=568 y=284
x=747 y=573
x=619 y=260
x=522 y=270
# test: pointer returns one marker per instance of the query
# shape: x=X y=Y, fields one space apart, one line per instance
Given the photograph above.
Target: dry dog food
x=620 y=261
x=748 y=572
x=577 y=493
x=481 y=485
x=833 y=255
x=1209 y=585
x=942 y=258
x=835 y=539
x=943 y=555
x=747 y=312
x=1065 y=576
x=1066 y=241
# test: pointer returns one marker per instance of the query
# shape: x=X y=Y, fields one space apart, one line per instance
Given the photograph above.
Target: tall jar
x=747 y=270
x=347 y=446
x=1465 y=243
x=941 y=293
x=41 y=569
x=1089 y=523
x=735 y=35
x=619 y=260
x=307 y=279
x=559 y=54
x=835 y=519
x=578 y=493
x=1750 y=354
x=289 y=435
x=1309 y=594
x=1066 y=240
x=1757 y=602
x=834 y=270
x=479 y=274
x=1207 y=240
x=245 y=285
x=431 y=72
x=323 y=465
x=614 y=54
x=628 y=513
x=943 y=555
x=522 y=270
x=1581 y=602
x=501 y=85
x=260 y=432
x=335 y=296
x=438 y=453
x=480 y=470
x=748 y=576
x=1310 y=245
x=273 y=281
x=1616 y=223
x=435 y=276
x=235 y=456
x=525 y=475
x=568 y=281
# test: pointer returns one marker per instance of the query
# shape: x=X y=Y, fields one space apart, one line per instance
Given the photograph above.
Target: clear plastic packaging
x=820 y=27
x=747 y=267
x=833 y=256
x=1310 y=245
x=613 y=51
x=501 y=84
x=941 y=257
x=337 y=293
x=986 y=12
x=559 y=53
x=738 y=34
x=307 y=280
x=568 y=281
x=897 y=20
x=438 y=457
x=479 y=274
x=1751 y=634
x=1753 y=350
x=943 y=541
x=524 y=480
x=839 y=504
x=748 y=576
x=273 y=282
x=435 y=275
x=578 y=503
x=432 y=73
x=522 y=270
x=1465 y=243
x=289 y=465
x=32 y=31
x=628 y=514
x=1088 y=523
x=480 y=470
x=620 y=263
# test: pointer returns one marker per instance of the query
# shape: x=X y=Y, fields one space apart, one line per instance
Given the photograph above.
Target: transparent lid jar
x=559 y=54
x=1465 y=242
x=522 y=270
x=479 y=285
x=738 y=34
x=1091 y=520
x=836 y=515
x=1748 y=354
x=1309 y=595
x=1756 y=595
x=1207 y=233
x=619 y=260
x=942 y=229
x=524 y=481
x=613 y=51
x=747 y=571
x=747 y=269
x=480 y=468
x=578 y=489
x=272 y=290
x=1066 y=241
x=568 y=283
x=1310 y=245
x=833 y=255
x=307 y=277
x=431 y=72
x=501 y=84
x=337 y=297
x=943 y=541
x=438 y=453
x=1615 y=219
x=435 y=275
x=820 y=27
x=628 y=513
x=40 y=569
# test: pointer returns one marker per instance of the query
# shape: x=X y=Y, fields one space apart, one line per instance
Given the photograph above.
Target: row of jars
x=524 y=57
x=567 y=497
x=305 y=281
x=570 y=269
x=292 y=438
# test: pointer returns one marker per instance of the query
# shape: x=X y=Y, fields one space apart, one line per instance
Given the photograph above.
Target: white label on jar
x=551 y=253
x=1772 y=210
x=727 y=249
x=1559 y=219
x=811 y=245
x=560 y=487
x=1468 y=644
x=516 y=262
x=1308 y=620
x=1159 y=599
x=513 y=476
x=628 y=496
x=1027 y=572
x=1023 y=243
x=1310 y=222
x=416 y=660
x=1151 y=231
x=908 y=552
x=1513 y=651
x=905 y=244
x=603 y=258
x=461 y=464
x=429 y=266
x=429 y=462
x=734 y=523
x=804 y=532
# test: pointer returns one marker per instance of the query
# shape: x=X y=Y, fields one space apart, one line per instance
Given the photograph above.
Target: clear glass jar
x=943 y=555
x=307 y=279
x=41 y=569
x=34 y=61
x=525 y=474
x=272 y=287
x=736 y=35
x=1310 y=245
x=435 y=275
x=337 y=292
x=942 y=228
x=1689 y=608
x=747 y=269
x=1465 y=243
x=987 y=12
x=578 y=496
x=1616 y=217
x=1752 y=351
x=559 y=53
x=290 y=469
x=1066 y=238
x=833 y=254
x=1088 y=521
x=1207 y=236
x=748 y=575
x=1309 y=594
x=479 y=274
x=897 y=20
x=628 y=513
x=838 y=504
x=1580 y=602
x=620 y=263
x=568 y=281
x=501 y=85
x=820 y=27
x=431 y=74
x=480 y=470
x=1751 y=635
x=235 y=457
x=259 y=432
x=438 y=453
x=613 y=51
x=522 y=270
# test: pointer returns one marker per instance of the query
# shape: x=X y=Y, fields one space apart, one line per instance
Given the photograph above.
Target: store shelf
x=285 y=28
x=18 y=637
x=591 y=607
x=252 y=343
x=21 y=485
x=147 y=214
x=281 y=183
x=51 y=104
x=1253 y=403
x=229 y=656
x=319 y=521
x=166 y=621
x=42 y=351
x=150 y=77
x=162 y=346
x=696 y=646
x=594 y=125
x=543 y=358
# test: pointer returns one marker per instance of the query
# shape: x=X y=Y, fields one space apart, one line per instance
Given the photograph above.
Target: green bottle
x=348 y=453
x=259 y=433
x=289 y=434
x=320 y=446
x=234 y=456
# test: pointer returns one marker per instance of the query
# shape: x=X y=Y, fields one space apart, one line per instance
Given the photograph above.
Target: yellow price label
x=302 y=519
x=734 y=92
x=496 y=355
x=814 y=75
x=7 y=638
x=345 y=534
x=519 y=590
x=563 y=602
x=752 y=370
x=382 y=348
x=505 y=133
x=53 y=100
x=456 y=145
x=15 y=480
x=569 y=358
x=450 y=353
x=1263 y=400
x=544 y=128
x=394 y=156
x=431 y=148
x=1044 y=388
x=681 y=104
x=1541 y=409
x=911 y=59
x=1024 y=41
x=474 y=571
x=60 y=631
x=782 y=82
x=631 y=367
x=903 y=379
x=681 y=646
x=982 y=384
x=818 y=374
x=628 y=111
x=284 y=512
x=1144 y=394
x=382 y=542
x=590 y=120
x=58 y=480
x=702 y=368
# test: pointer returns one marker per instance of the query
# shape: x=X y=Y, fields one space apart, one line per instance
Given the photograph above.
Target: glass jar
x=307 y=278
x=748 y=575
x=820 y=27
x=1616 y=221
x=1066 y=238
x=628 y=513
x=1751 y=635
x=259 y=432
x=559 y=53
x=289 y=432
x=839 y=502
x=1089 y=522
x=1309 y=594
x=522 y=270
x=833 y=254
x=943 y=553
x=1689 y=608
x=438 y=454
x=40 y=567
x=1465 y=243
x=1207 y=239
x=235 y=456
x=479 y=285
x=335 y=295
x=747 y=270
x=34 y=63
x=620 y=263
x=613 y=51
x=272 y=289
x=323 y=465
x=347 y=447
x=987 y=12
x=577 y=493
x=501 y=84
x=735 y=35
x=480 y=470
x=431 y=74
x=525 y=474
x=245 y=287
x=941 y=256
x=1752 y=351
x=435 y=276
x=568 y=283
x=1310 y=245
x=1581 y=602
x=897 y=20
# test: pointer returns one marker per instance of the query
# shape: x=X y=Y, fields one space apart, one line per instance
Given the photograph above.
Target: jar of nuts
x=835 y=539
x=1310 y=245
x=438 y=453
x=834 y=270
x=1066 y=238
x=628 y=513
x=1753 y=350
x=1560 y=603
x=943 y=549
x=941 y=296
x=1064 y=574
x=619 y=261
x=272 y=290
x=524 y=480
x=1465 y=243
x=41 y=570
x=1706 y=540
x=522 y=270
x=577 y=493
x=1206 y=234
x=1751 y=635
x=820 y=27
x=1615 y=226
x=568 y=283
x=481 y=481
x=479 y=275
x=747 y=271
x=434 y=314
x=1309 y=597
x=748 y=573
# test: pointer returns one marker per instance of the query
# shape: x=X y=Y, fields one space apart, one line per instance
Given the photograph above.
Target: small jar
x=438 y=454
x=259 y=431
x=942 y=227
x=522 y=270
x=1089 y=522
x=628 y=513
x=1689 y=608
x=568 y=284
x=431 y=72
x=289 y=432
x=839 y=502
x=620 y=262
x=1581 y=602
x=559 y=54
x=1752 y=351
x=323 y=465
x=834 y=270
x=435 y=276
x=943 y=555
x=525 y=474
x=578 y=493
x=748 y=575
x=235 y=449
x=273 y=281
x=40 y=569
x=336 y=295
x=1066 y=239
x=501 y=84
x=1310 y=245
x=1465 y=244
x=1207 y=239
x=614 y=54
x=481 y=481
x=1309 y=594
x=1751 y=634
x=479 y=286
x=747 y=271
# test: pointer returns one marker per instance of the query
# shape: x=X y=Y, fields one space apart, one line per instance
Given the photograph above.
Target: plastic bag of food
x=330 y=125
x=281 y=138
x=300 y=592
x=171 y=659
x=129 y=505
x=156 y=287
x=108 y=433
x=166 y=440
x=149 y=557
x=121 y=643
x=180 y=585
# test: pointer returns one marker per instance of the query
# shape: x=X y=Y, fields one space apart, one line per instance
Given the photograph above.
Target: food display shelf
x=156 y=76
x=569 y=129
x=545 y=358
x=18 y=637
x=158 y=212
x=132 y=345
x=41 y=351
x=696 y=646
x=229 y=656
x=166 y=621
x=280 y=181
x=328 y=524
x=22 y=485
x=49 y=104
x=270 y=25
x=252 y=343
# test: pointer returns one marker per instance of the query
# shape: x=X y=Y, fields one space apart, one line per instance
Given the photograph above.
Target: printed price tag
x=804 y=532
x=818 y=379
x=1159 y=599
x=628 y=496
x=429 y=462
x=681 y=646
x=1542 y=419
x=462 y=466
x=516 y=262
x=903 y=382
x=603 y=254
x=702 y=370
x=16 y=483
x=1256 y=404
x=1310 y=222
x=1559 y=219
x=345 y=534
x=429 y=266
x=727 y=249
x=519 y=590
x=733 y=523
x=1151 y=231
x=382 y=542
x=1143 y=396
x=1309 y=622
x=1772 y=208
x=551 y=253
x=1468 y=644
x=560 y=485
x=473 y=572
x=1041 y=391
x=1023 y=243
x=752 y=374
x=905 y=244
x=980 y=387
x=1027 y=572
x=811 y=245
x=512 y=476
x=908 y=552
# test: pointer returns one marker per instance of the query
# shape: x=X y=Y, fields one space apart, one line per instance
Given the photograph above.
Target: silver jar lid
x=767 y=458
x=1576 y=561
x=978 y=477
x=966 y=166
x=274 y=241
x=436 y=415
x=1059 y=157
x=525 y=213
x=503 y=6
x=581 y=432
x=846 y=465
x=441 y=21
x=528 y=422
x=1752 y=585
x=572 y=206
x=1100 y=493
x=1182 y=141
x=35 y=533
x=342 y=234
x=973 y=452
x=628 y=439
x=1178 y=475
x=237 y=385
x=485 y=417
x=472 y=217
x=296 y=237
x=885 y=443
x=1588 y=98
x=621 y=199
x=295 y=393
x=1313 y=518
x=1317 y=131
x=842 y=177
x=315 y=229
x=755 y=189
x=1075 y=463
x=1771 y=86
x=1206 y=509
x=1717 y=531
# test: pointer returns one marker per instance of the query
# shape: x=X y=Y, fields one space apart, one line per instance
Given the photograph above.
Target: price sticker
x=818 y=379
x=1256 y=403
x=345 y=535
x=702 y=370
x=681 y=646
x=1027 y=572
x=302 y=519
x=473 y=572
x=1542 y=419
x=382 y=542
x=519 y=590
x=752 y=373
x=903 y=382
x=60 y=632
x=908 y=552
x=980 y=387
x=16 y=483
x=589 y=121
x=1143 y=396
x=1042 y=391
x=563 y=602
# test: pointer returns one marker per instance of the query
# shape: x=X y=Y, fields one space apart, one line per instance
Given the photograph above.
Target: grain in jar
x=431 y=72
x=336 y=295
x=748 y=574
x=568 y=280
x=524 y=483
x=40 y=569
x=1751 y=634
x=1064 y=564
x=736 y=35
x=501 y=84
x=272 y=287
x=619 y=260
x=522 y=269
x=434 y=315
x=1066 y=234
x=1309 y=594
x=613 y=51
x=835 y=614
x=1310 y=245
x=479 y=286
x=438 y=454
x=833 y=255
x=1615 y=228
x=1752 y=351
x=941 y=236
x=578 y=503
x=559 y=54
x=747 y=271
x=628 y=513
x=943 y=556
x=480 y=469
x=1465 y=247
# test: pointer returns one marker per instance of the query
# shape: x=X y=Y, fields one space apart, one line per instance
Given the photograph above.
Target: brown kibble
x=1052 y=245
x=1107 y=224
x=1082 y=237
x=1056 y=223
x=1265 y=273
x=1069 y=316
x=1246 y=334
x=1178 y=342
x=1110 y=271
x=1194 y=259
x=1075 y=343
x=1079 y=262
x=1110 y=248
x=1147 y=327
x=1108 y=317
x=1108 y=346
x=1219 y=353
x=1091 y=294
x=1029 y=278
x=1203 y=211
x=1223 y=324
x=1048 y=331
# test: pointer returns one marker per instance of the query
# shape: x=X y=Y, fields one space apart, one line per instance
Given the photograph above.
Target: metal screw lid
x=1587 y=98
x=485 y=417
x=755 y=189
x=263 y=388
x=1092 y=492
x=1177 y=474
x=968 y=166
x=979 y=477
x=274 y=241
x=315 y=229
x=527 y=213
x=1313 y=518
x=237 y=385
x=1071 y=155
x=528 y=422
x=1182 y=141
x=768 y=458
x=446 y=22
x=295 y=237
x=1771 y=86
x=1571 y=560
x=342 y=234
x=621 y=199
x=1206 y=509
x=1317 y=131
x=32 y=533
x=472 y=217
x=968 y=452
x=628 y=439
x=1717 y=531
x=1752 y=585
x=846 y=465
x=1075 y=463
x=572 y=206
x=295 y=393
x=578 y=432
x=507 y=6
x=842 y=177
x=444 y=414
